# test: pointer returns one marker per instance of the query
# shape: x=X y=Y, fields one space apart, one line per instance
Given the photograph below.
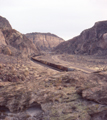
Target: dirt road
x=70 y=65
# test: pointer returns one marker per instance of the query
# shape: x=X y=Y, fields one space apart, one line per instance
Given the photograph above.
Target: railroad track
x=52 y=65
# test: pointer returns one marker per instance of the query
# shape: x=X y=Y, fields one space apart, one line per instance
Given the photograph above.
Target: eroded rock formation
x=91 y=41
x=44 y=41
x=12 y=41
x=19 y=41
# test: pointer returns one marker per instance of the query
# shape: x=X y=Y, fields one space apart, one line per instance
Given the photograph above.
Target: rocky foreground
x=31 y=92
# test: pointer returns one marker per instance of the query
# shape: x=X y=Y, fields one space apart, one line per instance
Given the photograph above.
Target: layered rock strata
x=45 y=41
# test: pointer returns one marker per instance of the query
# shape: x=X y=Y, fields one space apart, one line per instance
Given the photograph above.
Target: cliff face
x=12 y=41
x=91 y=41
x=19 y=41
x=45 y=41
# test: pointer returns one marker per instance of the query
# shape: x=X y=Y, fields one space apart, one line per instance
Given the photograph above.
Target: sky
x=65 y=18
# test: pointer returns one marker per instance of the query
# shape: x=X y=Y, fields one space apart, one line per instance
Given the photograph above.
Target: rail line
x=52 y=65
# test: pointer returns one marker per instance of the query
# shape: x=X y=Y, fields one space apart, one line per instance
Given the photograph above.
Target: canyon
x=43 y=77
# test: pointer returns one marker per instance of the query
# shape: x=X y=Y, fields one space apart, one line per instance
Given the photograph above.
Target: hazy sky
x=65 y=18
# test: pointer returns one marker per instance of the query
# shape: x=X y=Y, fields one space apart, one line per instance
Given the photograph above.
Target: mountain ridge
x=91 y=41
x=13 y=42
x=45 y=41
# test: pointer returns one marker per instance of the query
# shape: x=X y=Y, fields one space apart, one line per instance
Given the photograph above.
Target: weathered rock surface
x=44 y=41
x=58 y=97
x=100 y=116
x=20 y=42
x=98 y=94
x=5 y=50
x=91 y=41
x=2 y=39
x=19 y=103
x=13 y=42
x=4 y=23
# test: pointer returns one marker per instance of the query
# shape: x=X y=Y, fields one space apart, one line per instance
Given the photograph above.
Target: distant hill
x=13 y=42
x=44 y=41
x=91 y=41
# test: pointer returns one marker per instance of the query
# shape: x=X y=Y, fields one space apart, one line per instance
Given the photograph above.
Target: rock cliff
x=12 y=41
x=44 y=41
x=20 y=42
x=91 y=41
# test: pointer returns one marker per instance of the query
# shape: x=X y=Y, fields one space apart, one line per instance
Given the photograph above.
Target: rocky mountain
x=13 y=42
x=91 y=41
x=44 y=41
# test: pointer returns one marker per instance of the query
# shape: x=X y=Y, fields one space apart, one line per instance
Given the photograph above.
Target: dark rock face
x=4 y=23
x=44 y=41
x=91 y=41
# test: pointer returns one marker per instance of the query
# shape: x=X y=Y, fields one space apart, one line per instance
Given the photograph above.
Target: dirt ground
x=57 y=95
x=81 y=62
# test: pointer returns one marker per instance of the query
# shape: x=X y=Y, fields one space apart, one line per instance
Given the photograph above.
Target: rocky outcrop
x=91 y=41
x=13 y=42
x=19 y=104
x=4 y=23
x=44 y=41
x=97 y=94
x=6 y=50
x=20 y=42
x=2 y=39
x=62 y=96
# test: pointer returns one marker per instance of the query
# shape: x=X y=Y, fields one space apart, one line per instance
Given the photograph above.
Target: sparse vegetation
x=30 y=91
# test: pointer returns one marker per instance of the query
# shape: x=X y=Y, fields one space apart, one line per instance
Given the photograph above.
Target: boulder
x=97 y=94
x=6 y=51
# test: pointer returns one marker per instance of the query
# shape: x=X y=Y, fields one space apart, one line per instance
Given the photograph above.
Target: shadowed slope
x=91 y=41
